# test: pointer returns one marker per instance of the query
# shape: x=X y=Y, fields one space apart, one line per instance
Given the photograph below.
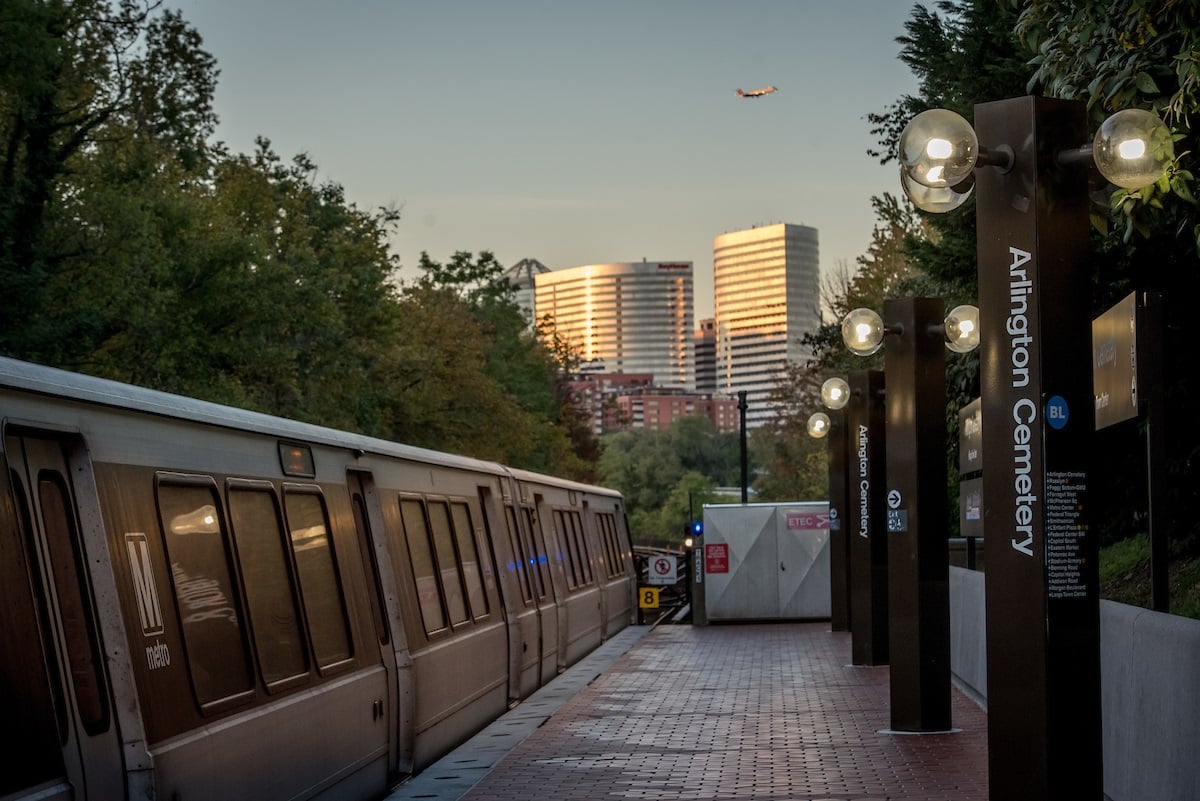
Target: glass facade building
x=766 y=297
x=628 y=317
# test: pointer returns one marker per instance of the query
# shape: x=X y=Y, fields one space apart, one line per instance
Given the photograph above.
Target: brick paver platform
x=741 y=712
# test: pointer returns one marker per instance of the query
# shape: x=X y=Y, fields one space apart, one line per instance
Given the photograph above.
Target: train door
x=368 y=519
x=548 y=601
x=526 y=618
x=599 y=565
x=72 y=743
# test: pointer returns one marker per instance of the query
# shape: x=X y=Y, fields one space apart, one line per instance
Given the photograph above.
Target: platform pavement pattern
x=770 y=711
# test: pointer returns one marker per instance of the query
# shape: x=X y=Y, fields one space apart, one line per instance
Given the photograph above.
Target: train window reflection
x=464 y=535
x=270 y=590
x=416 y=532
x=521 y=564
x=320 y=587
x=200 y=573
x=581 y=549
x=452 y=585
x=539 y=563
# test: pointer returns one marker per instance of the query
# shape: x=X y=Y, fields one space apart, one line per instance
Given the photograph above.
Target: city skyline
x=572 y=133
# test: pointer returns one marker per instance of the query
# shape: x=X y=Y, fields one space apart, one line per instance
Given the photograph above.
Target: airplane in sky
x=766 y=90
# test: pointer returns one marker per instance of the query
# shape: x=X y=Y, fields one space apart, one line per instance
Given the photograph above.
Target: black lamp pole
x=918 y=556
x=1043 y=639
x=839 y=544
x=867 y=529
x=741 y=396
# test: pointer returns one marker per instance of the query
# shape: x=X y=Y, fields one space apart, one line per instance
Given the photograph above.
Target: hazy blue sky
x=572 y=132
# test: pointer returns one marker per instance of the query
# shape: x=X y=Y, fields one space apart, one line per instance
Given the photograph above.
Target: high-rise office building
x=628 y=317
x=766 y=295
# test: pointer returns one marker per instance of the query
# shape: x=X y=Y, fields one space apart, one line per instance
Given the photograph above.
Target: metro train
x=203 y=603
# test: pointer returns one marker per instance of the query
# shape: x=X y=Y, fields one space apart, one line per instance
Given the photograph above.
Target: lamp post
x=1042 y=581
x=835 y=393
x=917 y=558
x=868 y=514
x=744 y=462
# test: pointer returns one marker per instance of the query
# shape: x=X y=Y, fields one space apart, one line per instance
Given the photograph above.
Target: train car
x=590 y=562
x=199 y=602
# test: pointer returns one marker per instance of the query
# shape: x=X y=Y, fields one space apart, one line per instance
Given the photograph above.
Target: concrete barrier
x=1150 y=694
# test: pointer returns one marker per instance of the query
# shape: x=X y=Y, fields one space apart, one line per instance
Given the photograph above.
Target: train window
x=320 y=586
x=362 y=524
x=520 y=563
x=270 y=588
x=538 y=559
x=200 y=572
x=416 y=531
x=79 y=627
x=618 y=564
x=35 y=705
x=464 y=536
x=608 y=527
x=443 y=544
x=568 y=548
x=585 y=560
x=606 y=541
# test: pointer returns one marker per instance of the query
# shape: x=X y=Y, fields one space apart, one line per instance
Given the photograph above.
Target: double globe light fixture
x=835 y=393
x=863 y=330
x=939 y=151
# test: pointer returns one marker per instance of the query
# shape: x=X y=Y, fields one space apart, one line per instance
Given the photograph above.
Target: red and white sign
x=662 y=570
x=806 y=521
x=716 y=557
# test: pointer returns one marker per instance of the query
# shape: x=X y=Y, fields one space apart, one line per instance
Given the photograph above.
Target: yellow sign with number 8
x=648 y=598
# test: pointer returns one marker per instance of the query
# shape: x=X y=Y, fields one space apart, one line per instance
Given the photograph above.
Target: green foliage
x=518 y=379
x=794 y=465
x=133 y=248
x=1122 y=558
x=1123 y=54
x=1117 y=54
x=658 y=471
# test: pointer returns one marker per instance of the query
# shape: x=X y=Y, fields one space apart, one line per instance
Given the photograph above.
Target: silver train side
x=199 y=602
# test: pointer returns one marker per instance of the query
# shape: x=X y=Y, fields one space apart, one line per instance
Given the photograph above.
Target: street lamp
x=937 y=200
x=835 y=393
x=1043 y=632
x=818 y=425
x=939 y=150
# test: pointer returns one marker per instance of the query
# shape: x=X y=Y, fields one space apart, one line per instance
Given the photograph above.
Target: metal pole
x=918 y=553
x=867 y=529
x=839 y=531
x=742 y=421
x=1149 y=373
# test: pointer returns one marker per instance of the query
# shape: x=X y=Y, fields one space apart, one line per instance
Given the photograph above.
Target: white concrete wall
x=1150 y=690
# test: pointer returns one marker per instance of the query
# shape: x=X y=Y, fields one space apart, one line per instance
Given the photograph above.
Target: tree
x=963 y=52
x=655 y=471
x=75 y=77
x=882 y=271
x=1118 y=54
x=794 y=464
x=544 y=430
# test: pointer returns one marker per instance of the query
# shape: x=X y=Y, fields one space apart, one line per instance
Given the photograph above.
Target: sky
x=572 y=132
